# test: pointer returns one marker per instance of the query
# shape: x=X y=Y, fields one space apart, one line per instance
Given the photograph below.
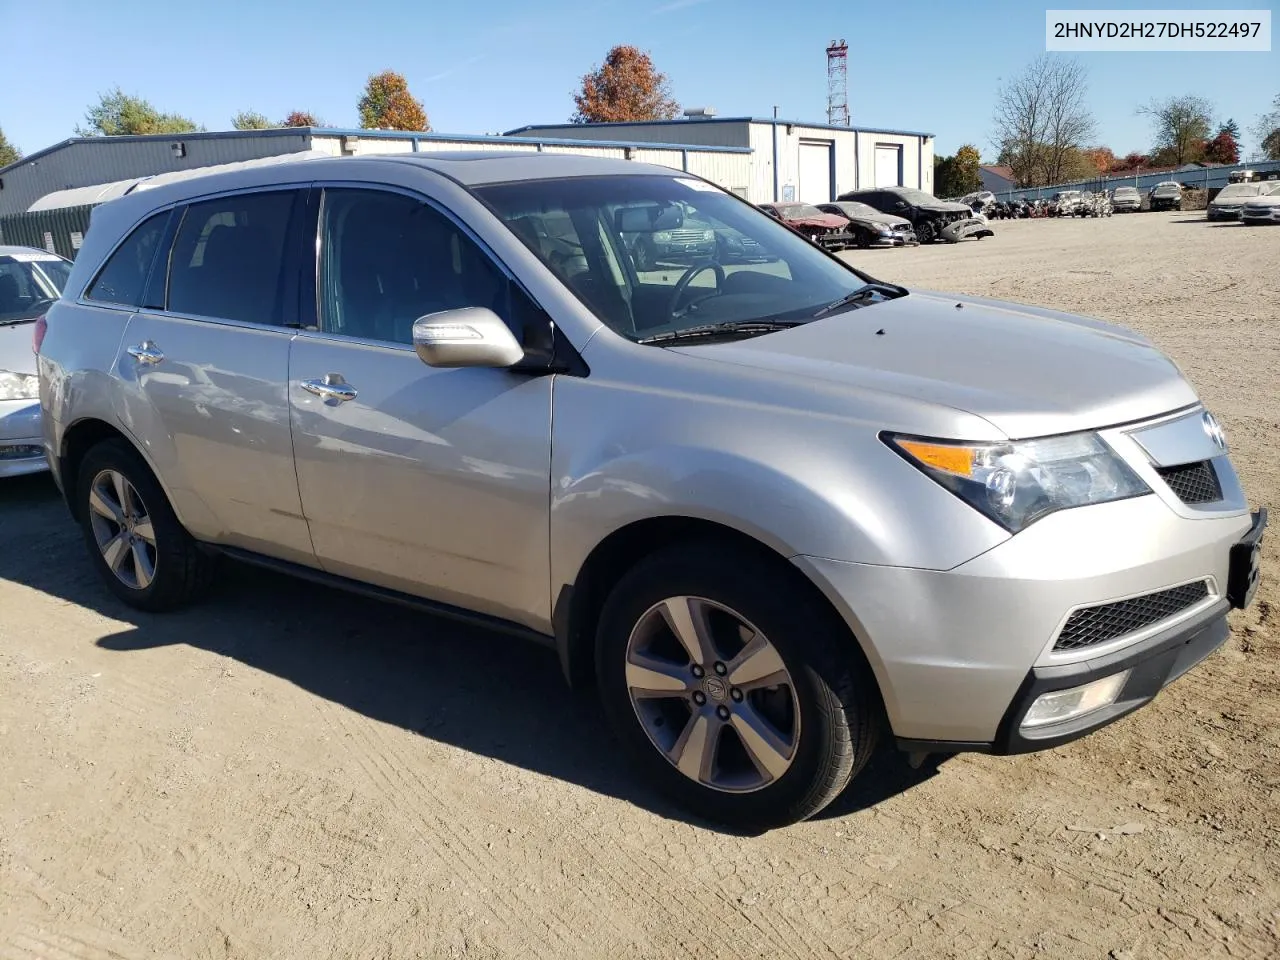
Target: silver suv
x=771 y=506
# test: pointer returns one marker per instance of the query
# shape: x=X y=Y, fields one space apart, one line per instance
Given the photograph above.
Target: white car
x=30 y=280
x=1264 y=209
x=1230 y=201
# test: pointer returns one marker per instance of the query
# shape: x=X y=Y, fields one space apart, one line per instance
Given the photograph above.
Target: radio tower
x=838 y=83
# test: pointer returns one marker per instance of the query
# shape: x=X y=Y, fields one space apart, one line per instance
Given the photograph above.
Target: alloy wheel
x=712 y=694
x=122 y=529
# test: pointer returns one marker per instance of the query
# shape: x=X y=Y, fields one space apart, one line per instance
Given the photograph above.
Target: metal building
x=73 y=168
x=790 y=160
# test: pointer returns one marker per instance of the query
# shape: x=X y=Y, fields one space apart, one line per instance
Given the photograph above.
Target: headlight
x=19 y=386
x=1016 y=483
x=708 y=234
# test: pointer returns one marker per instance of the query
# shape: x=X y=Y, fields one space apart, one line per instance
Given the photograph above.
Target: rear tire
x=776 y=661
x=135 y=541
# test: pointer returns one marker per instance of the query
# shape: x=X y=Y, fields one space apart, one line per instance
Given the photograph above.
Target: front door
x=209 y=364
x=433 y=482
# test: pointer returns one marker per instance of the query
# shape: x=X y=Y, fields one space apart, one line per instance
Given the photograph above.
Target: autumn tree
x=625 y=87
x=1223 y=148
x=8 y=152
x=1101 y=158
x=250 y=120
x=1182 y=126
x=120 y=114
x=387 y=104
x=1267 y=130
x=1041 y=115
x=301 y=118
x=1133 y=160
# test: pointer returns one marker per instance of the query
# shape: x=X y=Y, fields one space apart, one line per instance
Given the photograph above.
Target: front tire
x=136 y=543
x=736 y=693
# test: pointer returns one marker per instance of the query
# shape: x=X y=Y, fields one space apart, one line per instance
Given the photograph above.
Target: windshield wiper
x=890 y=291
x=744 y=327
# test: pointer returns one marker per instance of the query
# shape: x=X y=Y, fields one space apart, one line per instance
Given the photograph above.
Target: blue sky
x=490 y=65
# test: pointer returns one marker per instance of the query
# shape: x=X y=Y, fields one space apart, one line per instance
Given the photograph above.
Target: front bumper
x=21 y=442
x=953 y=650
x=1223 y=213
x=1270 y=215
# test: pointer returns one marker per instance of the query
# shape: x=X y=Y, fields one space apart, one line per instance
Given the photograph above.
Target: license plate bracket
x=1246 y=562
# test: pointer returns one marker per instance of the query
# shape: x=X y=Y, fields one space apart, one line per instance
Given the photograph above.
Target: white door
x=888 y=165
x=815 y=172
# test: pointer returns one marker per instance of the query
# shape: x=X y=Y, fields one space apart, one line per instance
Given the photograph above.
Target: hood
x=946 y=206
x=824 y=220
x=885 y=218
x=15 y=347
x=1026 y=370
x=1271 y=200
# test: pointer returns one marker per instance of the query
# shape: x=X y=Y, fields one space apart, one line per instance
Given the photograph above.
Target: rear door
x=429 y=481
x=205 y=364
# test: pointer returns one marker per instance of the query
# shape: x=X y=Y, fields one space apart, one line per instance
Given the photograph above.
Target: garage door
x=815 y=172
x=888 y=165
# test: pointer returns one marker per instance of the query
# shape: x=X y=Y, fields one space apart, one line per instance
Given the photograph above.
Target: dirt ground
x=286 y=772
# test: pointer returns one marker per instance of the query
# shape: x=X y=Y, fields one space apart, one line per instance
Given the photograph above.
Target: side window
x=122 y=278
x=387 y=259
x=229 y=258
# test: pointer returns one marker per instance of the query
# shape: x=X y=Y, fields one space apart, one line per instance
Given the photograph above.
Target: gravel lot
x=285 y=772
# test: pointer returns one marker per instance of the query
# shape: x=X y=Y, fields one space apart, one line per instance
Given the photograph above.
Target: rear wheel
x=735 y=693
x=135 y=541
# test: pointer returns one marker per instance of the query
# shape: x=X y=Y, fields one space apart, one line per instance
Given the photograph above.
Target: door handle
x=146 y=352
x=330 y=387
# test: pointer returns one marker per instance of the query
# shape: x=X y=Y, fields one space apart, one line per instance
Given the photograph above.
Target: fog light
x=1074 y=702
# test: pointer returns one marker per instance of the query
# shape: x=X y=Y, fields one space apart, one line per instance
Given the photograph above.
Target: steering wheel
x=673 y=308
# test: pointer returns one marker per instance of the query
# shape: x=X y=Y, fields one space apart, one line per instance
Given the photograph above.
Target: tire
x=828 y=702
x=925 y=232
x=179 y=570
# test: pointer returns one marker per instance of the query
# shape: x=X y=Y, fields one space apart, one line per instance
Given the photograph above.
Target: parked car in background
x=30 y=281
x=772 y=510
x=931 y=218
x=980 y=201
x=1126 y=200
x=1166 y=195
x=683 y=239
x=825 y=229
x=1230 y=201
x=870 y=227
x=1262 y=209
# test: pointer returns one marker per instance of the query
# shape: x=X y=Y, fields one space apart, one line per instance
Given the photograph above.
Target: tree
x=9 y=153
x=626 y=86
x=1041 y=116
x=388 y=105
x=955 y=176
x=1267 y=130
x=1131 y=161
x=1222 y=148
x=1232 y=128
x=1101 y=158
x=250 y=120
x=120 y=114
x=301 y=118
x=1182 y=127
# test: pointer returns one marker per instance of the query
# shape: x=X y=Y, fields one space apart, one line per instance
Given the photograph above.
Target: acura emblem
x=1213 y=430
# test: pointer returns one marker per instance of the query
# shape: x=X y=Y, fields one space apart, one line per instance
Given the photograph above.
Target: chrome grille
x=1094 y=625
x=687 y=236
x=1193 y=482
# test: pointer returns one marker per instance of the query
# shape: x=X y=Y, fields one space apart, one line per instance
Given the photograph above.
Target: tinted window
x=229 y=256
x=125 y=274
x=388 y=259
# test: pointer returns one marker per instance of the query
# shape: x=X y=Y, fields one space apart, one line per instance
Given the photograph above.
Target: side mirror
x=466 y=337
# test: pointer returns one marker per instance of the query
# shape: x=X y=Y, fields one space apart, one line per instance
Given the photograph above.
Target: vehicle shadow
x=474 y=689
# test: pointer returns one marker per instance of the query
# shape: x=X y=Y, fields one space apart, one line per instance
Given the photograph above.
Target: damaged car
x=825 y=229
x=870 y=227
x=931 y=218
x=1166 y=195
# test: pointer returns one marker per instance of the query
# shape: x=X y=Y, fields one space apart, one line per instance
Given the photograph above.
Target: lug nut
x=721 y=668
x=699 y=697
x=698 y=671
x=736 y=694
x=722 y=712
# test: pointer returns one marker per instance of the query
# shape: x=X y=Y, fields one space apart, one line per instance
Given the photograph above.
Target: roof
x=702 y=120
x=1000 y=170
x=423 y=136
x=16 y=251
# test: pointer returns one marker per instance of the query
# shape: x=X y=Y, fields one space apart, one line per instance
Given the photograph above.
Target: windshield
x=597 y=235
x=799 y=211
x=28 y=284
x=1239 y=190
x=1126 y=191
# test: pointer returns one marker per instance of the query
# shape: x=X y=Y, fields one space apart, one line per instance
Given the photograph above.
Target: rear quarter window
x=123 y=277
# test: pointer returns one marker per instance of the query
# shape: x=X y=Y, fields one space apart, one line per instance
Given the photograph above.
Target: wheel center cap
x=716 y=689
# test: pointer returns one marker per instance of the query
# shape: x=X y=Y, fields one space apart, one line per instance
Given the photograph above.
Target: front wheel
x=925 y=232
x=734 y=692
x=135 y=540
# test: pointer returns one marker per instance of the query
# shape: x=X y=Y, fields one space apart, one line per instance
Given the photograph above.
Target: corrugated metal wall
x=58 y=231
x=715 y=133
x=82 y=163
